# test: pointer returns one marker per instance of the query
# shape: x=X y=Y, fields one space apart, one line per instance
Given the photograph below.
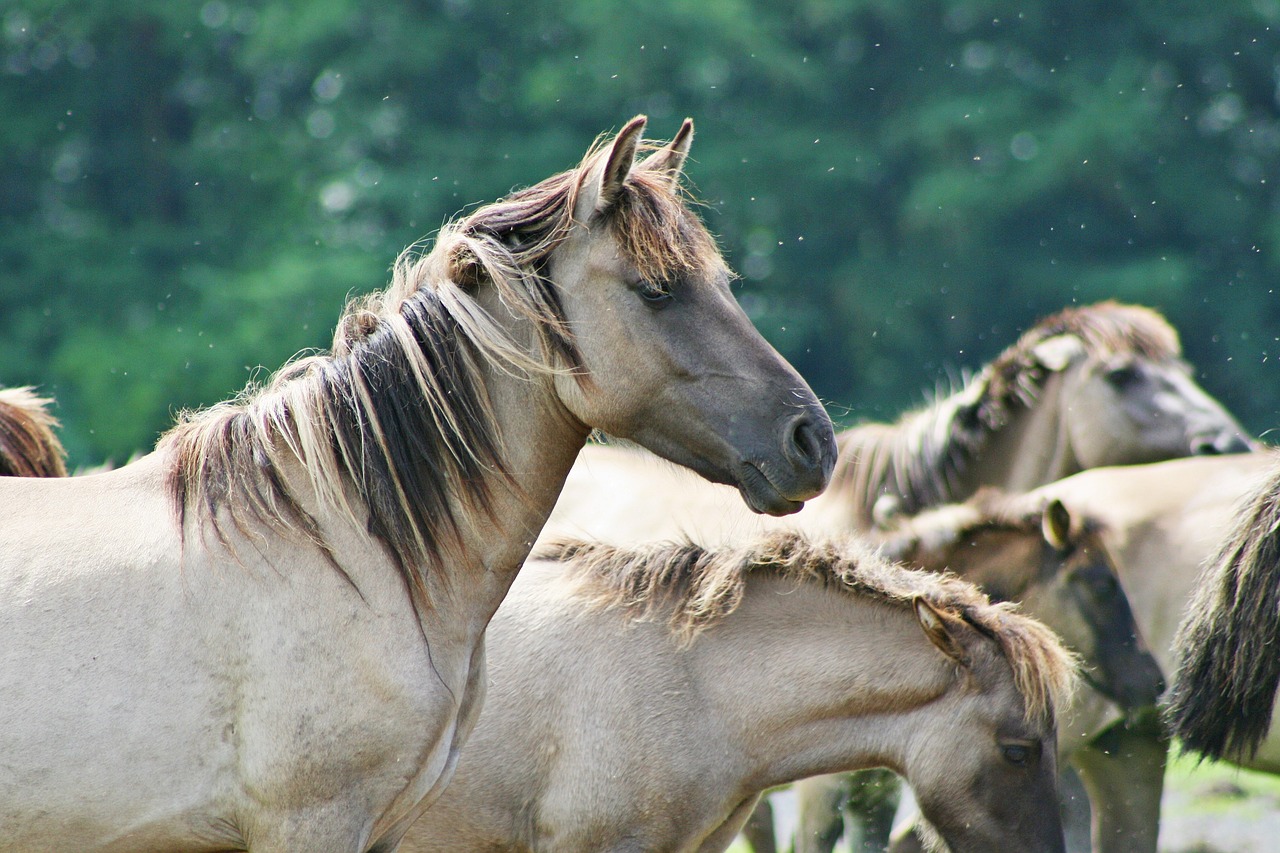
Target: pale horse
x=641 y=699
x=266 y=635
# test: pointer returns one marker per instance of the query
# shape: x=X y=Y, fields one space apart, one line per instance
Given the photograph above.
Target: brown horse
x=1160 y=524
x=641 y=699
x=29 y=447
x=1057 y=566
x=267 y=635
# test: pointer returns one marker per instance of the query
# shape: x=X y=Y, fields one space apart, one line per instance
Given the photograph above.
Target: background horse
x=29 y=447
x=1160 y=524
x=727 y=671
x=1059 y=570
x=272 y=625
x=1097 y=385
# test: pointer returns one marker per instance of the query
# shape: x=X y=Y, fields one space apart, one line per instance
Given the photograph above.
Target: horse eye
x=1122 y=377
x=655 y=296
x=1016 y=753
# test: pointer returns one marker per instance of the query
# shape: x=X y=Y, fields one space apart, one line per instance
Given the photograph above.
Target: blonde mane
x=29 y=447
x=924 y=454
x=393 y=428
x=696 y=587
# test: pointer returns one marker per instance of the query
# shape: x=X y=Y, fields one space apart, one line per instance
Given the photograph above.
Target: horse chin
x=761 y=495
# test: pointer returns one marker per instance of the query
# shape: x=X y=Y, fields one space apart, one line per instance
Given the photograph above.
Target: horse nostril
x=1204 y=447
x=804 y=444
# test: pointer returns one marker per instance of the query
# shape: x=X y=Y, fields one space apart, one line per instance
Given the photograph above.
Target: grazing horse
x=1160 y=524
x=1097 y=385
x=29 y=447
x=267 y=635
x=1223 y=698
x=641 y=699
x=1057 y=566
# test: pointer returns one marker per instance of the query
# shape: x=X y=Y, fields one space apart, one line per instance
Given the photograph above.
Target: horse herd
x=309 y=619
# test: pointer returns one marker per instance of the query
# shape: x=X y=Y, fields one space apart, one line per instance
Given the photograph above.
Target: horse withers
x=641 y=699
x=267 y=635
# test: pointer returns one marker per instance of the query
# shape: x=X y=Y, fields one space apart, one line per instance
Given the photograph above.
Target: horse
x=642 y=698
x=267 y=634
x=1055 y=564
x=29 y=447
x=1160 y=524
x=1095 y=385
x=1223 y=699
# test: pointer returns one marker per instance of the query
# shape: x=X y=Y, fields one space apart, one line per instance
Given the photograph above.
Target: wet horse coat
x=267 y=635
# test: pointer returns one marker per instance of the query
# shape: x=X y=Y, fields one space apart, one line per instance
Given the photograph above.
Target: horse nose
x=810 y=444
x=1224 y=442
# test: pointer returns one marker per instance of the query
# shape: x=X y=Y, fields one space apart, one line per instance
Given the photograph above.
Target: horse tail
x=1228 y=663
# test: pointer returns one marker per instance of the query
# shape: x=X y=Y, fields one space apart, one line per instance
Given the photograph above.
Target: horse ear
x=1057 y=352
x=1055 y=525
x=671 y=158
x=941 y=630
x=603 y=184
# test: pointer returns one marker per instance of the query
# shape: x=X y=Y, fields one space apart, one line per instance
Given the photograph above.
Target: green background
x=190 y=190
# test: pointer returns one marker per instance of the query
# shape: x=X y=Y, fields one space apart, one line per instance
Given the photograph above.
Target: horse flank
x=29 y=447
x=699 y=586
x=394 y=428
x=924 y=455
x=1224 y=689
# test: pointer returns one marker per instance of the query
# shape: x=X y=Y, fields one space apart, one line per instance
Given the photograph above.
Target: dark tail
x=1228 y=647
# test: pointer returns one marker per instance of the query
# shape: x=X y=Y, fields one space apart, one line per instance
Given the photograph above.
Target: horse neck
x=812 y=681
x=1031 y=449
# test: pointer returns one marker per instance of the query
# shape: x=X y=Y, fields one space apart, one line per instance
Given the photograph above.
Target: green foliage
x=190 y=189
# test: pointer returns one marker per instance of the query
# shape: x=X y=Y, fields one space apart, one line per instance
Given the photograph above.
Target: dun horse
x=642 y=699
x=1057 y=566
x=267 y=634
x=29 y=447
x=1160 y=524
x=1099 y=385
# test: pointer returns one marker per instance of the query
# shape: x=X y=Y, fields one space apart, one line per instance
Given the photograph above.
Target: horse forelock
x=922 y=456
x=29 y=447
x=697 y=586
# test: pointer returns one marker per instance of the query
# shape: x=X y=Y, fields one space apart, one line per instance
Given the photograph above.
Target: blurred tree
x=190 y=189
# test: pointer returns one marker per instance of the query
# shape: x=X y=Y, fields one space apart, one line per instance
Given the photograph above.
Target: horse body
x=294 y=663
x=602 y=731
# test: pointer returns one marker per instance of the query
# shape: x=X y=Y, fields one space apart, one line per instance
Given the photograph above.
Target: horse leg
x=758 y=830
x=1123 y=771
x=820 y=813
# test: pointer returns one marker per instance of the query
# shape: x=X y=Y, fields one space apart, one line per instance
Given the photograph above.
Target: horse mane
x=29 y=447
x=698 y=586
x=393 y=428
x=922 y=456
